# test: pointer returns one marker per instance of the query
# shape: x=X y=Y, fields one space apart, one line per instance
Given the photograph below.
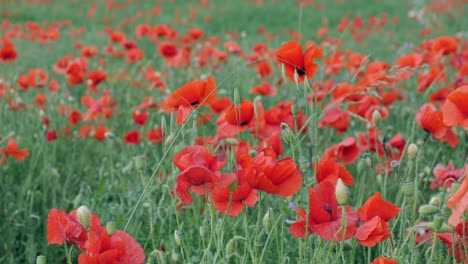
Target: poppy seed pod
x=438 y=221
x=41 y=259
x=84 y=216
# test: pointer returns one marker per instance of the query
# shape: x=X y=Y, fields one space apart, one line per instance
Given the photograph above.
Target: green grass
x=71 y=172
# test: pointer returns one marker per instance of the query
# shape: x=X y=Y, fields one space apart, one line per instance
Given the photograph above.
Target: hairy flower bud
x=110 y=228
x=341 y=192
x=84 y=216
x=412 y=151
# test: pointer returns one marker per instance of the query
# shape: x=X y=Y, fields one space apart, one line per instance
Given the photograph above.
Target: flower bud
x=140 y=162
x=412 y=151
x=41 y=259
x=203 y=232
x=231 y=247
x=438 y=221
x=454 y=188
x=376 y=117
x=428 y=210
x=84 y=216
x=110 y=228
x=267 y=221
x=286 y=133
x=231 y=141
x=435 y=201
x=446 y=212
x=178 y=237
x=341 y=192
x=408 y=189
x=174 y=256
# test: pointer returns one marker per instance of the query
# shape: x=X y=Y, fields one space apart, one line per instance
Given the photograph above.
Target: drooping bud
x=412 y=151
x=110 y=228
x=178 y=237
x=341 y=192
x=454 y=188
x=231 y=247
x=84 y=216
x=286 y=133
x=41 y=259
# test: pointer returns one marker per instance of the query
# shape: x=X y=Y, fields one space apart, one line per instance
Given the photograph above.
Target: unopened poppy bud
x=294 y=110
x=394 y=164
x=361 y=166
x=368 y=161
x=175 y=256
x=231 y=141
x=283 y=71
x=84 y=216
x=303 y=163
x=178 y=237
x=412 y=151
x=445 y=228
x=446 y=212
x=231 y=247
x=435 y=201
x=267 y=221
x=253 y=152
x=41 y=259
x=428 y=210
x=110 y=228
x=140 y=162
x=156 y=256
x=379 y=179
x=454 y=188
x=347 y=246
x=287 y=133
x=341 y=192
x=376 y=117
x=438 y=221
x=408 y=189
x=203 y=232
x=109 y=135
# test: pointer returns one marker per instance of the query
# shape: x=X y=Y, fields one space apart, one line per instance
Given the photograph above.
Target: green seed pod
x=84 y=216
x=446 y=212
x=445 y=228
x=428 y=210
x=41 y=259
x=110 y=228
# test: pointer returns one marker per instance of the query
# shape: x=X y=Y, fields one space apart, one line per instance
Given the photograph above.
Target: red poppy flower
x=133 y=137
x=442 y=174
x=456 y=243
x=96 y=77
x=117 y=248
x=13 y=151
x=188 y=96
x=198 y=155
x=263 y=69
x=376 y=206
x=432 y=121
x=347 y=151
x=75 y=117
x=100 y=132
x=455 y=108
x=325 y=217
x=51 y=135
x=336 y=119
x=242 y=195
x=459 y=201
x=140 y=117
x=329 y=170
x=445 y=45
x=274 y=142
x=238 y=118
x=155 y=135
x=383 y=260
x=7 y=51
x=265 y=89
x=280 y=177
x=373 y=232
x=62 y=227
x=168 y=50
x=407 y=64
x=200 y=180
x=290 y=55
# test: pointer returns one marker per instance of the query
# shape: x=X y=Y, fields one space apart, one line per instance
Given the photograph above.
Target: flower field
x=253 y=131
